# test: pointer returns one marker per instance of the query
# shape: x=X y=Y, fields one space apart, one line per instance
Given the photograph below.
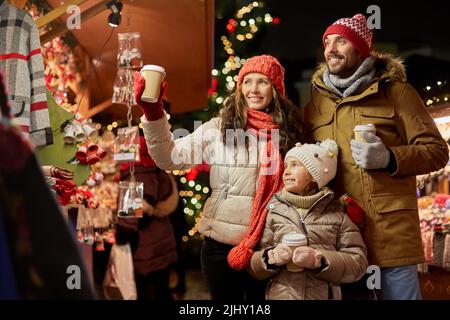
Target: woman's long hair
x=284 y=113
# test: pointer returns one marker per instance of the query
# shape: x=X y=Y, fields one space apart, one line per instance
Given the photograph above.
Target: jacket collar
x=389 y=68
x=279 y=205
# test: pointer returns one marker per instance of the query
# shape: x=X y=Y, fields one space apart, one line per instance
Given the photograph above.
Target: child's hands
x=152 y=111
x=280 y=255
x=307 y=257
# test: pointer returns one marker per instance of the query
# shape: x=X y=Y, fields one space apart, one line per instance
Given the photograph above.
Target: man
x=356 y=86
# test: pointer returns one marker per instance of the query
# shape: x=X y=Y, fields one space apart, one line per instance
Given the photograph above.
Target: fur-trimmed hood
x=388 y=67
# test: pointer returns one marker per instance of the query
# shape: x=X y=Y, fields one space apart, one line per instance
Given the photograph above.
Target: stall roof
x=176 y=34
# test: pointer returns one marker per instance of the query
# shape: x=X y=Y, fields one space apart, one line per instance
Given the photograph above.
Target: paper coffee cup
x=358 y=130
x=294 y=240
x=154 y=76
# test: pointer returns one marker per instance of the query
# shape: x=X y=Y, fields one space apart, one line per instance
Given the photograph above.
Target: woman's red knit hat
x=267 y=65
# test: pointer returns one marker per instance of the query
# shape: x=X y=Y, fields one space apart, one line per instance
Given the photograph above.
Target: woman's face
x=257 y=90
x=295 y=176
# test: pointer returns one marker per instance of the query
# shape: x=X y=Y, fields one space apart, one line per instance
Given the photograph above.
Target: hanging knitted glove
x=307 y=257
x=152 y=111
x=353 y=210
x=280 y=255
x=370 y=155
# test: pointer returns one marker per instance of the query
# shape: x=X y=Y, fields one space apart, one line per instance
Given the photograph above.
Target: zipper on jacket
x=223 y=195
x=302 y=218
x=303 y=224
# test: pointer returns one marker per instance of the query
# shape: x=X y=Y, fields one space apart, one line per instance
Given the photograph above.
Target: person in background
x=151 y=238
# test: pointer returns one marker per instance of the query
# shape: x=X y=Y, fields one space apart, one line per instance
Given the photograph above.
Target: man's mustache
x=334 y=55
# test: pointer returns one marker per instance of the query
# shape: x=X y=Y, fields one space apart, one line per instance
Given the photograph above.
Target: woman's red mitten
x=152 y=111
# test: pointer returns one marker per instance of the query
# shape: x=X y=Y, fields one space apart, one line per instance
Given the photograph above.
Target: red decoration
x=353 y=210
x=214 y=86
x=231 y=28
x=192 y=174
x=276 y=20
x=440 y=199
x=214 y=83
x=204 y=167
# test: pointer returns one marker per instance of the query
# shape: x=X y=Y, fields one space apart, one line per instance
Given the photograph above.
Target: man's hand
x=372 y=154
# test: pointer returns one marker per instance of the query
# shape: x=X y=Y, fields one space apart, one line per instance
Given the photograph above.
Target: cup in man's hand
x=360 y=129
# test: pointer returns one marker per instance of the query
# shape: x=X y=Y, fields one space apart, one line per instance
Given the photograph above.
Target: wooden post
x=18 y=3
x=57 y=12
x=85 y=15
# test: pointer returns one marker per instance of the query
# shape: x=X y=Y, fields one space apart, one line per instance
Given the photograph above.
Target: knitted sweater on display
x=22 y=64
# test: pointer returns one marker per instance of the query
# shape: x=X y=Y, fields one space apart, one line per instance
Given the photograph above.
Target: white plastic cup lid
x=365 y=127
x=152 y=67
x=294 y=239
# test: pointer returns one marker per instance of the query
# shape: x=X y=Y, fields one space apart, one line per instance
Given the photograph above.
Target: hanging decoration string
x=130 y=93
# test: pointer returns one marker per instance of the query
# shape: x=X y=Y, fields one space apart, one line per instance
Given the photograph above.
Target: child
x=335 y=251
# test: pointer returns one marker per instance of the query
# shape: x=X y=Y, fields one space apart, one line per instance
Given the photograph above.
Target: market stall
x=434 y=213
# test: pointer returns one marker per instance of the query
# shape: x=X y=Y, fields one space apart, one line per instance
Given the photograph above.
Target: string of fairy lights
x=437 y=94
x=247 y=21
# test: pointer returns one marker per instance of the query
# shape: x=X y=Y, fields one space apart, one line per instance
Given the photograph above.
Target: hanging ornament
x=192 y=175
x=129 y=58
x=129 y=55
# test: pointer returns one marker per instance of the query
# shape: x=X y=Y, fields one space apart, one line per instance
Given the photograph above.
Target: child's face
x=295 y=176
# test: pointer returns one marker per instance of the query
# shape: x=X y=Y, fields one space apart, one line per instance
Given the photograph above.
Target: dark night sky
x=406 y=23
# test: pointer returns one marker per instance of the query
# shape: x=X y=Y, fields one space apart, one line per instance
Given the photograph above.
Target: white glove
x=370 y=155
x=280 y=255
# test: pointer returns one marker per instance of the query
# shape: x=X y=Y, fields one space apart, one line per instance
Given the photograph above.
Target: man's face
x=341 y=56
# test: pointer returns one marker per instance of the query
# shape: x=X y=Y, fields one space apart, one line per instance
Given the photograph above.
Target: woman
x=244 y=146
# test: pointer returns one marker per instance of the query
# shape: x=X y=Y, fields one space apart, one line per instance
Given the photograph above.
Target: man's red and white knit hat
x=355 y=30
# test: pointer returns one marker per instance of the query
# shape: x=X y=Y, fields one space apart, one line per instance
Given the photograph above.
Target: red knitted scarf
x=240 y=255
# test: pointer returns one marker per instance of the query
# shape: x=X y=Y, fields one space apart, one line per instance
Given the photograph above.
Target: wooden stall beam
x=85 y=15
x=57 y=12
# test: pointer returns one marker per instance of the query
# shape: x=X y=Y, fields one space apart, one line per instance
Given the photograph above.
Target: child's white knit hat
x=319 y=159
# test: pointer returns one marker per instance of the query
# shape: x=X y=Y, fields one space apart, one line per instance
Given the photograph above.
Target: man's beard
x=343 y=71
